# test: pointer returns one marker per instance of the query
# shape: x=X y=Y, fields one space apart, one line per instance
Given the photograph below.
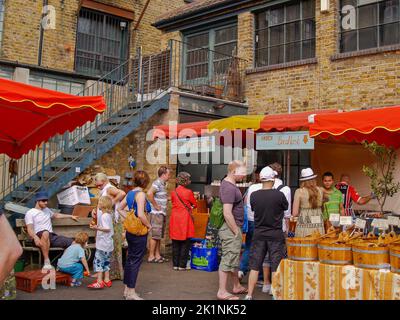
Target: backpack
x=217 y=214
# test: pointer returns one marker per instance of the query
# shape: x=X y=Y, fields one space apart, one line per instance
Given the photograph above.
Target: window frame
x=301 y=19
x=101 y=36
x=378 y=25
x=42 y=77
x=210 y=48
x=2 y=16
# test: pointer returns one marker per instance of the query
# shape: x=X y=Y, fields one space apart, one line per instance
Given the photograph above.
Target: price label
x=346 y=221
x=334 y=217
x=360 y=223
x=315 y=219
x=384 y=224
x=77 y=169
x=393 y=221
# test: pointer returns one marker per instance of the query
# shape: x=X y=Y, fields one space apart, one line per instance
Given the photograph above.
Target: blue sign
x=294 y=140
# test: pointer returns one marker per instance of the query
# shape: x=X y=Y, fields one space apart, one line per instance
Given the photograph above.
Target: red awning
x=31 y=115
x=260 y=123
x=381 y=125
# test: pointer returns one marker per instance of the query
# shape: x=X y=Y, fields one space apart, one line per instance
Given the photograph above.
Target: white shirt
x=104 y=240
x=40 y=219
x=252 y=188
x=288 y=195
x=104 y=192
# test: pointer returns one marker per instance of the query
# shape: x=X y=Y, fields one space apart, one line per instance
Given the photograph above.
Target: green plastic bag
x=217 y=214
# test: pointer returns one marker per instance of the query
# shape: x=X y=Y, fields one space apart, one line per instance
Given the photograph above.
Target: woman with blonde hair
x=307 y=205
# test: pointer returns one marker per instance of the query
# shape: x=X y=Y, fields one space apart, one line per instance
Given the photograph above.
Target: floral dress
x=116 y=267
x=8 y=291
x=308 y=217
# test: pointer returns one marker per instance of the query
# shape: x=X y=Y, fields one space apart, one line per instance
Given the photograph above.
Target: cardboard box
x=73 y=196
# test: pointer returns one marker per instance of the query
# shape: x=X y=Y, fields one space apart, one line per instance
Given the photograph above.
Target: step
x=83 y=145
x=34 y=184
x=22 y=195
x=107 y=128
x=61 y=164
x=128 y=112
x=71 y=155
x=118 y=120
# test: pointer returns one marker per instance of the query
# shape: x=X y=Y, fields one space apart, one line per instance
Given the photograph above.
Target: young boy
x=73 y=260
x=104 y=243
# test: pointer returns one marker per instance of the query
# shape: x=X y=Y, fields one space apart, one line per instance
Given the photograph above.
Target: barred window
x=369 y=24
x=1 y=20
x=209 y=53
x=285 y=33
x=102 y=42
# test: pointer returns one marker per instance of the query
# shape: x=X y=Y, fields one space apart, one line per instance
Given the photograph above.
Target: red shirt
x=181 y=225
x=349 y=195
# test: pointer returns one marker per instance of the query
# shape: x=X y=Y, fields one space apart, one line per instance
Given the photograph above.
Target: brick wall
x=22 y=30
x=361 y=81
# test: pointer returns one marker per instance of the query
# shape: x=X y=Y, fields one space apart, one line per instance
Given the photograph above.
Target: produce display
x=348 y=247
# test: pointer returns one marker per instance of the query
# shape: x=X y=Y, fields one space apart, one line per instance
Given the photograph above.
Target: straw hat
x=307 y=174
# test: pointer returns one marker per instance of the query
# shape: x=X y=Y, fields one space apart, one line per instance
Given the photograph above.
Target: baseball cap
x=267 y=174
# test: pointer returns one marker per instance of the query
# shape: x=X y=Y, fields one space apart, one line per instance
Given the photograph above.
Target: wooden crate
x=29 y=280
x=200 y=224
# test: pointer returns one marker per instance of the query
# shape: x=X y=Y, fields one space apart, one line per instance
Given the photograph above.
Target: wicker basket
x=332 y=252
x=368 y=255
x=302 y=249
x=395 y=257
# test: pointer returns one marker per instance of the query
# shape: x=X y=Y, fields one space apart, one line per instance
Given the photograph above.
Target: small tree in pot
x=382 y=172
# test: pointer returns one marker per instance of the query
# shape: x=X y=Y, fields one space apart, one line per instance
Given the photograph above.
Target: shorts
x=267 y=261
x=157 y=221
x=57 y=241
x=101 y=262
x=259 y=249
x=231 y=247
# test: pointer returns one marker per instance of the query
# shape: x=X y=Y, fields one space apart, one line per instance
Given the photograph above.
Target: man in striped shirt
x=350 y=194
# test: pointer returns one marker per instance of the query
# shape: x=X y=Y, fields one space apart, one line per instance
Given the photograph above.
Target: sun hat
x=307 y=174
x=41 y=195
x=268 y=174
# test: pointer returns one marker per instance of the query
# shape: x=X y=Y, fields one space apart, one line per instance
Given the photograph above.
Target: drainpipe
x=41 y=35
x=288 y=151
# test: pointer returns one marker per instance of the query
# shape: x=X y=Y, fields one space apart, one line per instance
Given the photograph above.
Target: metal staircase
x=134 y=92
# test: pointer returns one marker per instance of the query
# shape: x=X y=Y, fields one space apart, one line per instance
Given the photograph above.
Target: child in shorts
x=104 y=243
x=73 y=259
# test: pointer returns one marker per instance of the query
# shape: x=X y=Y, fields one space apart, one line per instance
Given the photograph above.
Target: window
x=1 y=20
x=102 y=42
x=369 y=24
x=56 y=84
x=209 y=53
x=285 y=33
x=6 y=73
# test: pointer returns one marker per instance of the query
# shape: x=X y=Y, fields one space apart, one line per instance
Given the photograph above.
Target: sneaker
x=260 y=283
x=76 y=283
x=247 y=297
x=176 y=268
x=270 y=292
x=96 y=285
x=240 y=275
x=266 y=288
x=182 y=269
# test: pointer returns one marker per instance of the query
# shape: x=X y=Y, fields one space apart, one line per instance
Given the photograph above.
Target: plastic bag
x=217 y=214
x=205 y=259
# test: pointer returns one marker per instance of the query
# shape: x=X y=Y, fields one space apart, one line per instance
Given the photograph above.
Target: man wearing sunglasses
x=40 y=228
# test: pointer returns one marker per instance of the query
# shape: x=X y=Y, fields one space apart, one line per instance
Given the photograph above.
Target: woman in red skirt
x=181 y=227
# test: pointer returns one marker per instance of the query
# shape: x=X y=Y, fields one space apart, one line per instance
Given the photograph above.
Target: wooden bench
x=63 y=227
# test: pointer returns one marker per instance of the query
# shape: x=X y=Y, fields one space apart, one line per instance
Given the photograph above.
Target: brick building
x=338 y=54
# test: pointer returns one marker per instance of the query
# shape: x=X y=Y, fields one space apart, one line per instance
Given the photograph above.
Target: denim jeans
x=136 y=252
x=244 y=262
x=76 y=270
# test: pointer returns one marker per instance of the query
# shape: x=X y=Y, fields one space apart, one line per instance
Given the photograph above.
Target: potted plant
x=381 y=173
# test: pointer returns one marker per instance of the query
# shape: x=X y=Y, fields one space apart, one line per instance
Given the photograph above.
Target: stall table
x=297 y=280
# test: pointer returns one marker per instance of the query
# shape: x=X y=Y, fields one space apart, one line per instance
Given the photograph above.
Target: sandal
x=154 y=260
x=229 y=297
x=243 y=291
x=96 y=285
x=107 y=284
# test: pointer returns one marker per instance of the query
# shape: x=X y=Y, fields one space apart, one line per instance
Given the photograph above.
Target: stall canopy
x=258 y=123
x=381 y=125
x=31 y=115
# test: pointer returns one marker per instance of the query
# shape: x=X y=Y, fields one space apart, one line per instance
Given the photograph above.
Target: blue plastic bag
x=245 y=227
x=205 y=259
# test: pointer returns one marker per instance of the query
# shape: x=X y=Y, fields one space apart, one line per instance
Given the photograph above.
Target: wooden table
x=29 y=280
x=297 y=280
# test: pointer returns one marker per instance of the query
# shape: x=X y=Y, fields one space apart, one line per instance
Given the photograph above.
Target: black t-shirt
x=268 y=207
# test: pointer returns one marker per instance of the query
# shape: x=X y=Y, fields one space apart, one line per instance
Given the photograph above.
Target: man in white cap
x=269 y=206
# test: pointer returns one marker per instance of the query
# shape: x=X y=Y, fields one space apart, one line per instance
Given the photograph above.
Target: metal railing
x=137 y=86
x=207 y=72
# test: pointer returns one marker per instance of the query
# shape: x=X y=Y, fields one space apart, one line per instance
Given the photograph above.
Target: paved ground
x=156 y=282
